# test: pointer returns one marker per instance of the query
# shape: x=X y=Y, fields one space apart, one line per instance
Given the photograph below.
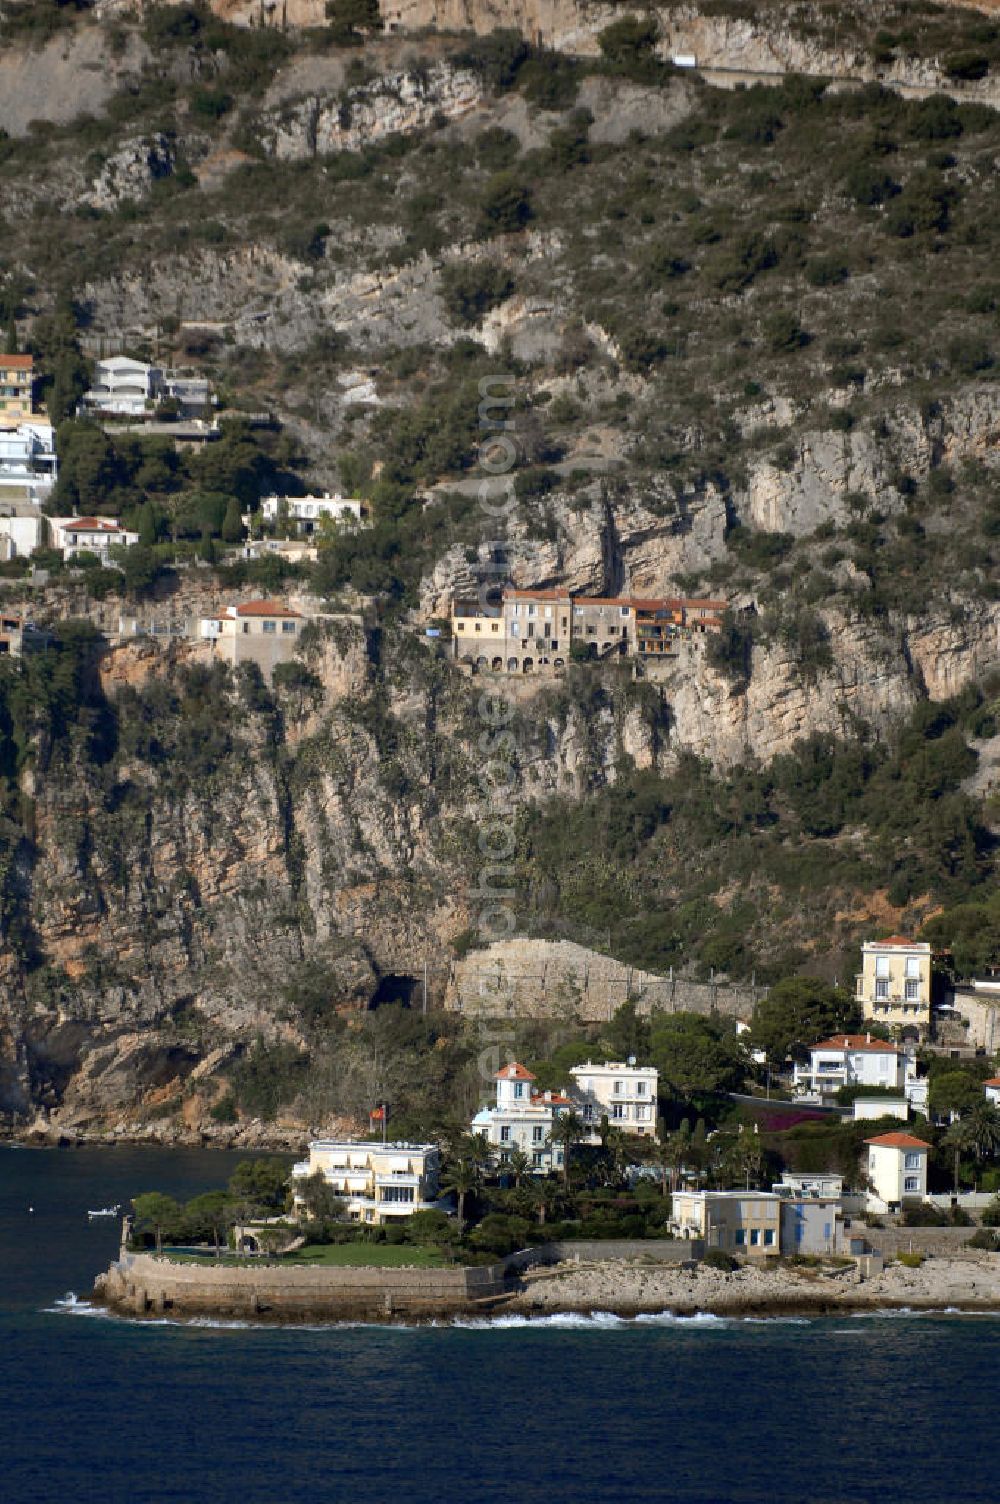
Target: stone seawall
x=143 y=1284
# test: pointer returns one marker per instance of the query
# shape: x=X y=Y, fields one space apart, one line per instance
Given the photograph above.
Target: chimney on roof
x=868 y=1036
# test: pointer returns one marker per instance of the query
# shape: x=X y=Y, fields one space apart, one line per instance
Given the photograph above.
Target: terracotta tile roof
x=857 y=1042
x=898 y=1141
x=993 y=1081
x=93 y=525
x=513 y=1072
x=535 y=595
x=554 y=1099
x=603 y=600
x=17 y=362
x=895 y=940
x=264 y=608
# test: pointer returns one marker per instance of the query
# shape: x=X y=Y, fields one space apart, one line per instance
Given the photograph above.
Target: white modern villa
x=306 y=513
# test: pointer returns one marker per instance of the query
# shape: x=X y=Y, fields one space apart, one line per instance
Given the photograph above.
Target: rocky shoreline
x=254 y=1137
x=147 y=1287
x=969 y=1282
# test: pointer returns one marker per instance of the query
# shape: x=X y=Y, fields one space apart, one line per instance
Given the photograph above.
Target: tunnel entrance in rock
x=395 y=987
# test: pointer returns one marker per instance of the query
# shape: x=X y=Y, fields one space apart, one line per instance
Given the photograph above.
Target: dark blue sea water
x=837 y=1411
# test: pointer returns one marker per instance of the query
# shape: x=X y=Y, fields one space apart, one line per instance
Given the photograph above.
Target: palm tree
x=462 y=1176
x=567 y=1130
x=961 y=1137
x=977 y=1133
x=544 y=1195
x=673 y=1152
x=518 y=1166
x=984 y=1130
x=613 y=1154
x=465 y=1173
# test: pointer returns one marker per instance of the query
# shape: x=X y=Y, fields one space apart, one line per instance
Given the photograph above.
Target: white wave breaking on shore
x=594 y=1321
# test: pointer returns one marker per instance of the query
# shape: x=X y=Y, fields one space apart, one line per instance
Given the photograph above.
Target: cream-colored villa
x=620 y=1091
x=894 y=985
x=379 y=1182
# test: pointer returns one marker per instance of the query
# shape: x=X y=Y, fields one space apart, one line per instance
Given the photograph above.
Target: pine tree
x=232 y=523
x=147 y=525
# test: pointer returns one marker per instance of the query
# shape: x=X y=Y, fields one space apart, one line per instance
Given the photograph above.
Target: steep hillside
x=752 y=339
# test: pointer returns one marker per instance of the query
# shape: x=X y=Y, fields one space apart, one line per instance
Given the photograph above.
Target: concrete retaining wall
x=943 y=1241
x=981 y=1014
x=142 y=1283
x=598 y=1250
x=527 y=978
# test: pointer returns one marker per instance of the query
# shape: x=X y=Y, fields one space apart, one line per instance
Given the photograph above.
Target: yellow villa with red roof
x=897 y=1170
x=894 y=985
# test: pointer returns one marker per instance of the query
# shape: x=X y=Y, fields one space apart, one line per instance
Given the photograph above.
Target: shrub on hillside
x=470 y=289
x=715 y=1258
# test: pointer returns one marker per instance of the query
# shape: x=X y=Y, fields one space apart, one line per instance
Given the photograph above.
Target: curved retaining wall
x=141 y=1283
x=144 y=1283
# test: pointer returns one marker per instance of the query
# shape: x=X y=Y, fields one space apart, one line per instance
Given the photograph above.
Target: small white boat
x=105 y=1211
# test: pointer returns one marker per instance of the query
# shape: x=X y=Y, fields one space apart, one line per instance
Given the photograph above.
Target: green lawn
x=377 y=1255
x=331 y=1255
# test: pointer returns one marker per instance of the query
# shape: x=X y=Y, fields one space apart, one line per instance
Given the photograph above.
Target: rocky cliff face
x=319 y=124
x=170 y=916
x=738 y=46
x=164 y=908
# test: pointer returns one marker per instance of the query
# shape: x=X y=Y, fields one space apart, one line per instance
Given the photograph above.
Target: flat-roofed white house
x=127 y=388
x=264 y=632
x=379 y=1182
x=523 y=1119
x=798 y=1183
x=852 y=1060
x=123 y=388
x=991 y=1089
x=192 y=394
x=622 y=1092
x=866 y=1108
x=739 y=1222
x=89 y=535
x=894 y=984
x=812 y=1224
x=22 y=530
x=292 y=550
x=28 y=462
x=896 y=1169
x=306 y=513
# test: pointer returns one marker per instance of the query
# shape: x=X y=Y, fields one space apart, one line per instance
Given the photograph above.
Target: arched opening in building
x=497 y=664
x=512 y=665
x=482 y=662
x=527 y=666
